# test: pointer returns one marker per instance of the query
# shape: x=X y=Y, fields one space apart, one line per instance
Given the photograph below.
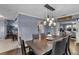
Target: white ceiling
x=37 y=10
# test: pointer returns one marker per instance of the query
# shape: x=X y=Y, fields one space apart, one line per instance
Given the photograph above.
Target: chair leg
x=69 y=51
x=66 y=53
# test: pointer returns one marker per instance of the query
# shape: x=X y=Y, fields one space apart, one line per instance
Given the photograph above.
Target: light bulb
x=47 y=19
x=50 y=24
x=52 y=19
x=44 y=22
x=54 y=24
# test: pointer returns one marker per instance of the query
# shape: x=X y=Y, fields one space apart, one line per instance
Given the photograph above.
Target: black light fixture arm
x=49 y=7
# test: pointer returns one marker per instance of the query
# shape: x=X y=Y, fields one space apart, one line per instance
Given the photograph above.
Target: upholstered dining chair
x=68 y=45
x=60 y=47
x=43 y=36
x=35 y=36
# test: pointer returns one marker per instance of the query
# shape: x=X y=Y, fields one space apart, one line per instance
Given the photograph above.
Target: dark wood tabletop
x=42 y=46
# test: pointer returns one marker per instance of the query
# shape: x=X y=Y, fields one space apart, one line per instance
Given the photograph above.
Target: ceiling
x=37 y=10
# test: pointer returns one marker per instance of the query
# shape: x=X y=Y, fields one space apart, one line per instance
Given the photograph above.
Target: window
x=74 y=27
x=68 y=27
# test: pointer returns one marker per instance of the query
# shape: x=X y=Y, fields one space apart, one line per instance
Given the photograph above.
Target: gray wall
x=27 y=26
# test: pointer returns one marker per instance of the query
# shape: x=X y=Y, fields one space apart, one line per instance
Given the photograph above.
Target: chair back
x=60 y=46
x=68 y=42
x=43 y=36
x=23 y=49
x=35 y=36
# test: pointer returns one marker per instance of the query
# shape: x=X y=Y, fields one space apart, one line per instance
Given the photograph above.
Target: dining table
x=41 y=47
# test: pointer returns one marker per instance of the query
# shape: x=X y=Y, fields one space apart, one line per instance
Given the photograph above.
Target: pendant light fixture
x=49 y=21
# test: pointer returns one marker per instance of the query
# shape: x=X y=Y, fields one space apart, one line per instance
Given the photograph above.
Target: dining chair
x=35 y=36
x=23 y=49
x=60 y=47
x=68 y=45
x=43 y=36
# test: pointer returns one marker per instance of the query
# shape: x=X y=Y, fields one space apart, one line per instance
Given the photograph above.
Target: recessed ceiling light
x=1 y=16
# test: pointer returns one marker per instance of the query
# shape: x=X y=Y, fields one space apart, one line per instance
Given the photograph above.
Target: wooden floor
x=8 y=47
x=74 y=47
